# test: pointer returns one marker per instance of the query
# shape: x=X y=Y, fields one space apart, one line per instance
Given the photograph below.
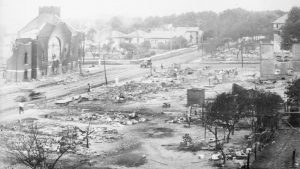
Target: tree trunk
x=224 y=156
x=216 y=138
x=87 y=140
x=224 y=134
x=232 y=129
x=228 y=135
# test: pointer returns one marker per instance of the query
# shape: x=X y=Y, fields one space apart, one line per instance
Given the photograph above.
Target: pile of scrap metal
x=117 y=118
x=75 y=99
x=128 y=92
x=33 y=95
x=177 y=119
x=230 y=154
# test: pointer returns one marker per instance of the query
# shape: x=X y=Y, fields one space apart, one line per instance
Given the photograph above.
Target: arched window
x=43 y=57
x=25 y=58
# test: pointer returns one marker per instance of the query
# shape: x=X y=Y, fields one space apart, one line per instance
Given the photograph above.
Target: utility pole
x=151 y=69
x=248 y=160
x=179 y=43
x=255 y=151
x=260 y=59
x=294 y=158
x=83 y=49
x=202 y=44
x=242 y=46
x=205 y=119
x=104 y=65
x=17 y=67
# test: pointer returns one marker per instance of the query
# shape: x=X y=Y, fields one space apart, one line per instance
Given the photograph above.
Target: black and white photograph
x=149 y=84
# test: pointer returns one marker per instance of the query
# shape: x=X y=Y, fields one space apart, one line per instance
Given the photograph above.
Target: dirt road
x=124 y=72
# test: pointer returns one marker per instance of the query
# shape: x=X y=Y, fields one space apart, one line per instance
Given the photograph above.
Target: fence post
x=255 y=151
x=248 y=161
x=294 y=158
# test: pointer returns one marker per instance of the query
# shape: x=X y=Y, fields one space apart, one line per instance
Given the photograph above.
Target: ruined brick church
x=45 y=46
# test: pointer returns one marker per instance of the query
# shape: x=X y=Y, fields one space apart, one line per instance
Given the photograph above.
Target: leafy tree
x=223 y=111
x=232 y=23
x=93 y=49
x=165 y=46
x=152 y=22
x=211 y=45
x=291 y=29
x=179 y=42
x=116 y=23
x=146 y=45
x=108 y=47
x=143 y=49
x=244 y=106
x=91 y=34
x=130 y=48
x=293 y=93
x=208 y=34
x=228 y=109
x=266 y=106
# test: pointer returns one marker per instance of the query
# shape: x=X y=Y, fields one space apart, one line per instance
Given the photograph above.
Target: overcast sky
x=16 y=13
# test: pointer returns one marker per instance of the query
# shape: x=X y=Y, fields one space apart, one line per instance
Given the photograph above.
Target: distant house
x=278 y=23
x=281 y=60
x=162 y=35
x=45 y=46
x=157 y=38
x=136 y=37
x=191 y=34
x=277 y=26
x=118 y=37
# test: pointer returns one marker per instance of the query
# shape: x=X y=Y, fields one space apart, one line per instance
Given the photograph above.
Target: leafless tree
x=38 y=151
x=212 y=128
x=87 y=133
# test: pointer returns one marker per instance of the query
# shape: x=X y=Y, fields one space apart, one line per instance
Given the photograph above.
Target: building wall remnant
x=45 y=46
x=267 y=61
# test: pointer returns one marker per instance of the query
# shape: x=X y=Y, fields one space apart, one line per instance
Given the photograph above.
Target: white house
x=277 y=26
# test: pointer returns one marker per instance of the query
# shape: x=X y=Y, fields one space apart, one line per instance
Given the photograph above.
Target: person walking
x=21 y=107
x=189 y=115
x=89 y=88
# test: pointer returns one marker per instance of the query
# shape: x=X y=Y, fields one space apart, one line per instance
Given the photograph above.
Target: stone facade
x=46 y=46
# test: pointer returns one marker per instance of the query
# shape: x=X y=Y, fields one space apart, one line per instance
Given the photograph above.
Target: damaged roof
x=33 y=28
x=281 y=20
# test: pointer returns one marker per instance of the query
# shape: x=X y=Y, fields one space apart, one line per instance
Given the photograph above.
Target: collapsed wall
x=195 y=96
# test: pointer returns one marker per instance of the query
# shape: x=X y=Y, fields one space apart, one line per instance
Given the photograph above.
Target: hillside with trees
x=231 y=23
x=291 y=29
